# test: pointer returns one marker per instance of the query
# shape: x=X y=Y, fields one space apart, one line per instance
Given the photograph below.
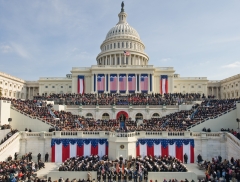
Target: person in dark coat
x=185 y=158
x=109 y=175
x=114 y=175
x=46 y=157
x=119 y=175
x=39 y=157
x=98 y=175
x=104 y=176
x=130 y=175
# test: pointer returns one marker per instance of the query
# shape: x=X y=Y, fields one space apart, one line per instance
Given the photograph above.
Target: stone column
x=127 y=83
x=28 y=92
x=139 y=80
x=96 y=75
x=130 y=60
x=115 y=58
x=125 y=62
x=217 y=92
x=212 y=91
x=105 y=82
x=92 y=89
x=33 y=91
x=110 y=59
x=153 y=88
x=148 y=83
x=117 y=83
x=105 y=60
x=109 y=83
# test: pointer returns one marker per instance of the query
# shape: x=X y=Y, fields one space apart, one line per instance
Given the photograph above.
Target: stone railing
x=125 y=135
x=234 y=139
x=8 y=141
x=213 y=117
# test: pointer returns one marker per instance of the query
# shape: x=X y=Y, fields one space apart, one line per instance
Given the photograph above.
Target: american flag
x=100 y=83
x=122 y=82
x=144 y=82
x=113 y=82
x=126 y=53
x=131 y=82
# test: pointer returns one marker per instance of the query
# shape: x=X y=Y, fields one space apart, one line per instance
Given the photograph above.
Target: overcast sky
x=47 y=38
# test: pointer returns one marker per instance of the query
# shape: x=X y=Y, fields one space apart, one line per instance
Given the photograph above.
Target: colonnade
x=121 y=59
x=138 y=83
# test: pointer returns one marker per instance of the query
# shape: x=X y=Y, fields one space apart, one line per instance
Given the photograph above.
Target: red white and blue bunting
x=63 y=149
x=161 y=147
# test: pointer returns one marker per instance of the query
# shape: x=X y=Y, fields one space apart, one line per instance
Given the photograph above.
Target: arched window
x=139 y=116
x=89 y=115
x=155 y=115
x=105 y=116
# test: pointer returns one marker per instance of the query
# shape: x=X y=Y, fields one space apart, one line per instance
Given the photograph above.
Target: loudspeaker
x=9 y=119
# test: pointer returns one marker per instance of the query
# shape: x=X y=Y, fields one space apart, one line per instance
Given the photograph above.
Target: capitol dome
x=122 y=29
x=122 y=45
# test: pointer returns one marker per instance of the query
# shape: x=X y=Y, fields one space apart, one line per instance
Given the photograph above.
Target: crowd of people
x=23 y=169
x=66 y=121
x=218 y=168
x=121 y=99
x=136 y=168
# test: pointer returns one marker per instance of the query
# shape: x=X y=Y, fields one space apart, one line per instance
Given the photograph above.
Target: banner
x=161 y=147
x=81 y=84
x=144 y=83
x=164 y=84
x=101 y=83
x=63 y=149
x=131 y=83
x=122 y=83
x=113 y=83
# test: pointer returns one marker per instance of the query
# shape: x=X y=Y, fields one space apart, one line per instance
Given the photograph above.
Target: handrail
x=8 y=141
x=234 y=139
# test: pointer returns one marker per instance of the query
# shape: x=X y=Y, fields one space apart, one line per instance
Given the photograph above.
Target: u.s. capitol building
x=122 y=67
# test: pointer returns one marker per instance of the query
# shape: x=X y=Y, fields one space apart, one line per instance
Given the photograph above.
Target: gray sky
x=47 y=38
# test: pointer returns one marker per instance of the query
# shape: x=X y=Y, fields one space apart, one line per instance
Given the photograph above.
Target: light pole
x=238 y=120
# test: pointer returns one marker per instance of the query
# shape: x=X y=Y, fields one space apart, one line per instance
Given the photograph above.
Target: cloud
x=165 y=59
x=20 y=50
x=232 y=65
x=5 y=48
x=226 y=40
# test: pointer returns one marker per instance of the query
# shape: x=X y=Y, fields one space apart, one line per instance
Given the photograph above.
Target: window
x=0 y=82
x=53 y=86
x=107 y=47
x=122 y=44
x=46 y=86
x=236 y=85
x=192 y=86
x=183 y=86
x=155 y=115
x=10 y=85
x=127 y=45
x=232 y=86
x=89 y=115
x=70 y=86
x=175 y=86
x=199 y=86
x=5 y=83
x=105 y=116
x=61 y=86
x=118 y=45
x=110 y=46
x=139 y=116
x=114 y=45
